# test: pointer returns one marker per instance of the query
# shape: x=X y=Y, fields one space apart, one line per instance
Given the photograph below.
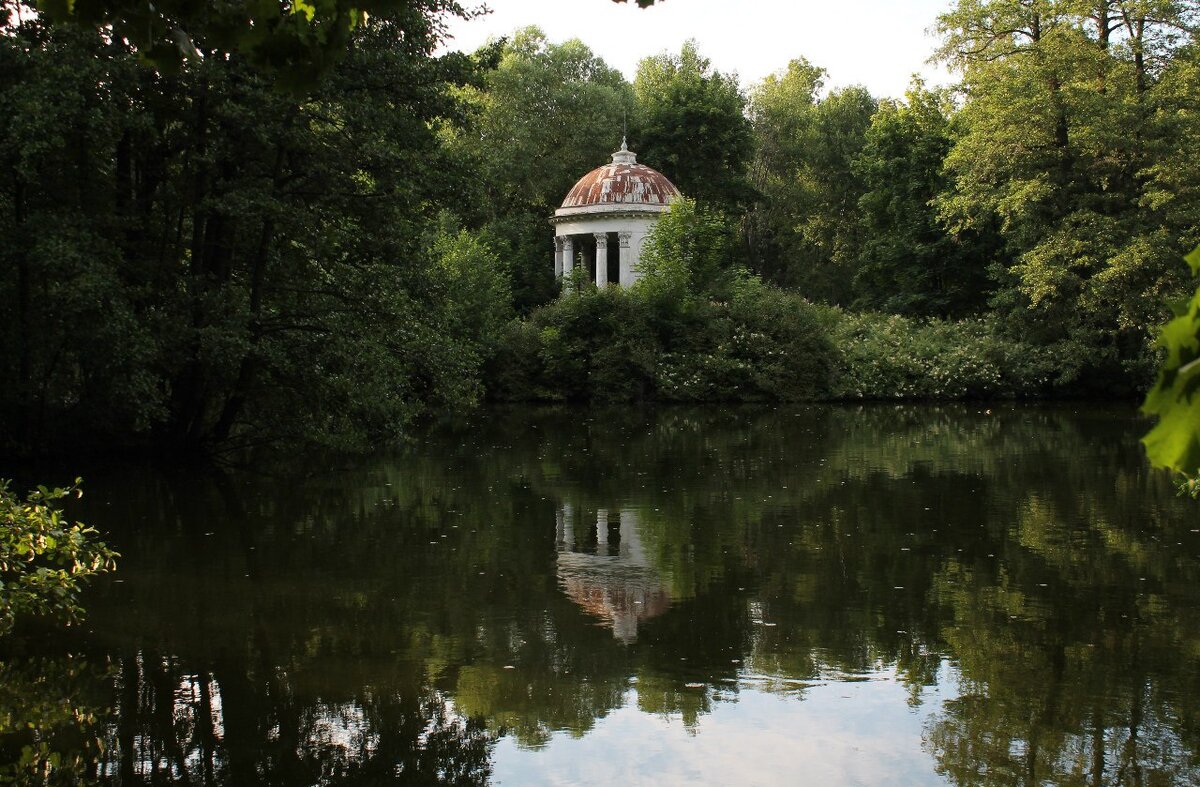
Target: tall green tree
x=547 y=114
x=252 y=266
x=805 y=232
x=691 y=125
x=781 y=110
x=296 y=43
x=908 y=263
x=1069 y=117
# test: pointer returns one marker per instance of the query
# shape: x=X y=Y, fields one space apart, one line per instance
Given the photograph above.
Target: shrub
x=43 y=557
x=617 y=345
x=891 y=357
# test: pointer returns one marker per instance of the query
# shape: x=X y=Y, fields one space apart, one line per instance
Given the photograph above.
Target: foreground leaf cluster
x=44 y=557
x=1174 y=442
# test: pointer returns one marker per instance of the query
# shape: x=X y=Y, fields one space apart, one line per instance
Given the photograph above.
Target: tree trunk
x=250 y=361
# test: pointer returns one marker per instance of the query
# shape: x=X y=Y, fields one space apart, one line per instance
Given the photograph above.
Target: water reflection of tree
x=341 y=634
x=230 y=726
x=50 y=717
x=1084 y=666
x=422 y=594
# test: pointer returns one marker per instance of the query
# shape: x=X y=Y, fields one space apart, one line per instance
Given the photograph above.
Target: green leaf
x=1174 y=442
x=301 y=7
x=1193 y=259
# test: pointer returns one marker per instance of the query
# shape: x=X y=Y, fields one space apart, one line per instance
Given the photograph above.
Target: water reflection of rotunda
x=603 y=567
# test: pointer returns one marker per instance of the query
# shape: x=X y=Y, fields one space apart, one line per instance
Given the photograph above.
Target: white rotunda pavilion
x=606 y=216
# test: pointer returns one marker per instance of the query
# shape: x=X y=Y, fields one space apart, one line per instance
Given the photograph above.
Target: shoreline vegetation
x=698 y=329
x=202 y=260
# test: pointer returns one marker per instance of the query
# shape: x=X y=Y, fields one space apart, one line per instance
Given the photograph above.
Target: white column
x=631 y=540
x=558 y=261
x=635 y=241
x=602 y=531
x=568 y=527
x=568 y=256
x=626 y=277
x=601 y=258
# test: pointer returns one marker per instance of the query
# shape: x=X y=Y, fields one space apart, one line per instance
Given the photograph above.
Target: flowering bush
x=892 y=357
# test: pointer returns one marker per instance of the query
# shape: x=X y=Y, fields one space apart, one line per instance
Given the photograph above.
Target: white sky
x=876 y=43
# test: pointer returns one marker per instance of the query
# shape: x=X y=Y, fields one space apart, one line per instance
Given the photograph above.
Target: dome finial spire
x=624 y=155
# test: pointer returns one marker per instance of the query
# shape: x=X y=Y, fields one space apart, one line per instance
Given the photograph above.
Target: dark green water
x=888 y=595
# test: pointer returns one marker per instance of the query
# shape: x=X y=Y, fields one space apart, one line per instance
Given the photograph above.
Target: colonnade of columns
x=628 y=540
x=565 y=252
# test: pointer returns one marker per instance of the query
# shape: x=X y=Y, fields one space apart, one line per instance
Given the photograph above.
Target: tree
x=806 y=233
x=690 y=124
x=689 y=254
x=1068 y=119
x=251 y=266
x=297 y=42
x=545 y=115
x=909 y=264
x=781 y=110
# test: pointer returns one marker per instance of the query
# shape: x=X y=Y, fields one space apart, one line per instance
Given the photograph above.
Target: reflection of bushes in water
x=1090 y=599
x=49 y=720
x=818 y=513
x=849 y=582
x=338 y=584
x=533 y=701
x=1064 y=686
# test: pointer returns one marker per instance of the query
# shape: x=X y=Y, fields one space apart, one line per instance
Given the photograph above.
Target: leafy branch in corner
x=1174 y=442
x=44 y=557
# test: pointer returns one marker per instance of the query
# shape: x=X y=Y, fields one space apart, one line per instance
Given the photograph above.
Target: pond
x=977 y=594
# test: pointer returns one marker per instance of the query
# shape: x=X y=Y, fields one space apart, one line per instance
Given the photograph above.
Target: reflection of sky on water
x=858 y=733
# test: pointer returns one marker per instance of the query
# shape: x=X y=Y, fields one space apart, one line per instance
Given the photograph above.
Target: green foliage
x=884 y=356
x=612 y=346
x=589 y=345
x=546 y=115
x=1072 y=116
x=908 y=264
x=763 y=345
x=44 y=558
x=477 y=295
x=690 y=124
x=255 y=267
x=688 y=254
x=296 y=42
x=1174 y=442
x=252 y=268
x=805 y=233
x=622 y=345
x=695 y=327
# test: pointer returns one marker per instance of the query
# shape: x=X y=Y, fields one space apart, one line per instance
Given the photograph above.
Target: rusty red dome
x=623 y=184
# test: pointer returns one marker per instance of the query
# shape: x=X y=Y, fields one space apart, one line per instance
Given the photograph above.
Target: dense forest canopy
x=195 y=257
